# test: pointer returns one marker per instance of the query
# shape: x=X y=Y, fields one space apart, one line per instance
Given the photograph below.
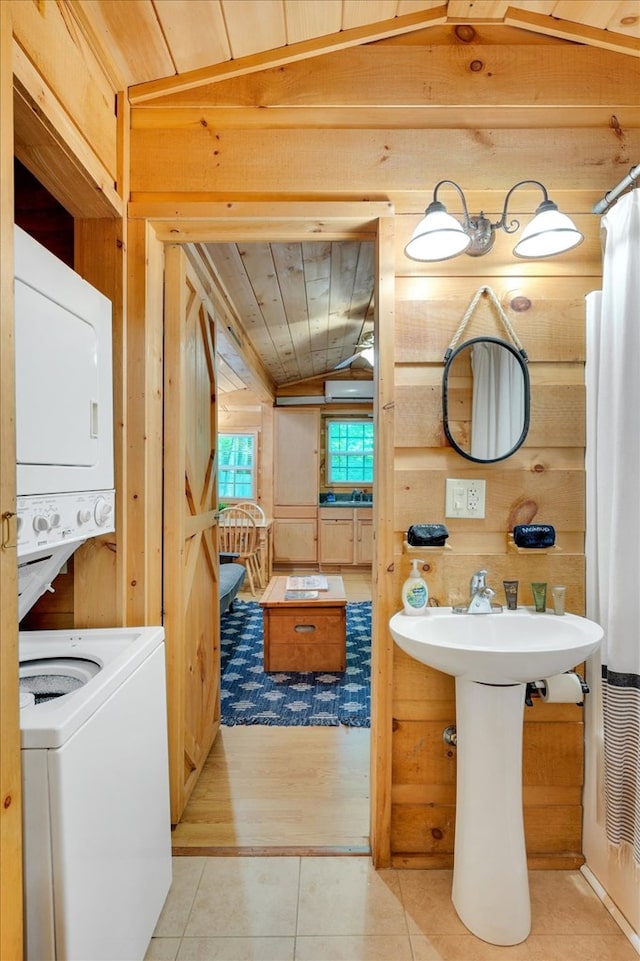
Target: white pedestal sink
x=492 y=657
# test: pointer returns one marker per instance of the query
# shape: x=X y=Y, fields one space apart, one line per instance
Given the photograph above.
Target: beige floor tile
x=376 y=947
x=426 y=896
x=347 y=896
x=594 y=947
x=246 y=897
x=175 y=913
x=562 y=902
x=464 y=947
x=162 y=949
x=236 y=949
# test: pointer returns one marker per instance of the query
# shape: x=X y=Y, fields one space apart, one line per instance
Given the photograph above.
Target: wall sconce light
x=439 y=236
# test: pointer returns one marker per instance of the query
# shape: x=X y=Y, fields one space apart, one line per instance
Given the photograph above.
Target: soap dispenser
x=415 y=593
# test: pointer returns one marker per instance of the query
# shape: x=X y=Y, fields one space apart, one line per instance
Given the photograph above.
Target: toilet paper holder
x=538 y=689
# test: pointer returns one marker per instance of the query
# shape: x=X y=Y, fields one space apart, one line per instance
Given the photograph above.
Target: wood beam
x=576 y=32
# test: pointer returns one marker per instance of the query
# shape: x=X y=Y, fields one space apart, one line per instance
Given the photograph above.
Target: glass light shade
x=550 y=232
x=367 y=354
x=438 y=236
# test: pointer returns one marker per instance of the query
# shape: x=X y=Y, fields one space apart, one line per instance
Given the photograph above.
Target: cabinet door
x=295 y=540
x=296 y=458
x=336 y=541
x=363 y=544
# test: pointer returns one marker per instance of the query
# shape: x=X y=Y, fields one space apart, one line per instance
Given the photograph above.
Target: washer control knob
x=84 y=516
x=40 y=523
x=101 y=511
x=54 y=521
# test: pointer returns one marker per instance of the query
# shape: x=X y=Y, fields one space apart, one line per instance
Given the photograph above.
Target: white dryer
x=97 y=839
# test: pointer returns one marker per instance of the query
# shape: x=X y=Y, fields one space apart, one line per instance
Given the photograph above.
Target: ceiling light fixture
x=439 y=236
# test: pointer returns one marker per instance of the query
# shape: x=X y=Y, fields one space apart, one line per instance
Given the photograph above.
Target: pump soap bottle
x=415 y=592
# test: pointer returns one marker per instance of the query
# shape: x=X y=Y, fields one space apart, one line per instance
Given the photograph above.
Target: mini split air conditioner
x=341 y=390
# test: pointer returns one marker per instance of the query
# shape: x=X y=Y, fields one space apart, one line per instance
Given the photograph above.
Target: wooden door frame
x=153 y=224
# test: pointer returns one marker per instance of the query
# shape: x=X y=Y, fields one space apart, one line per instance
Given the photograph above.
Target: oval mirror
x=486 y=399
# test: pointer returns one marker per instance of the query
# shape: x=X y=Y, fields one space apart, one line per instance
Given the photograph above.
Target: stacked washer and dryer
x=96 y=822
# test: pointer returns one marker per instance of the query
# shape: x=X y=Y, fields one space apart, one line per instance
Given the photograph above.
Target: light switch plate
x=465 y=498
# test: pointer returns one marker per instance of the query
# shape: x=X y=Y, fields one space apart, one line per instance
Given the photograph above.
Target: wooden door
x=190 y=555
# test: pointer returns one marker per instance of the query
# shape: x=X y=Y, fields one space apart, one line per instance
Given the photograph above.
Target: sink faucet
x=481 y=595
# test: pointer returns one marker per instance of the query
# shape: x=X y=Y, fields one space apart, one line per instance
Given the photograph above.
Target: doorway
x=280 y=787
x=153 y=227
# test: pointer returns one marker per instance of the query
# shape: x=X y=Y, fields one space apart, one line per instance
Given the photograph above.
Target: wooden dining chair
x=259 y=516
x=238 y=534
x=252 y=508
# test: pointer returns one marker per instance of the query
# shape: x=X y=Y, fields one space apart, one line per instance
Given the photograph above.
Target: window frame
x=253 y=496
x=349 y=422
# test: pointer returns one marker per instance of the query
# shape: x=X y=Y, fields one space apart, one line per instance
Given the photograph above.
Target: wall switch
x=465 y=498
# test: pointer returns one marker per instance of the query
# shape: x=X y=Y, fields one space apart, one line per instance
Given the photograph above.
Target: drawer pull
x=305 y=628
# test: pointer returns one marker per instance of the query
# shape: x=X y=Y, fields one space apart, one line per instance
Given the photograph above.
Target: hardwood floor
x=282 y=790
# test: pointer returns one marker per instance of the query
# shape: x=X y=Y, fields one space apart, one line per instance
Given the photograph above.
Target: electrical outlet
x=465 y=498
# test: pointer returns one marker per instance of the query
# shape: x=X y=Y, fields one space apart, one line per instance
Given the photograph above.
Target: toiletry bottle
x=415 y=592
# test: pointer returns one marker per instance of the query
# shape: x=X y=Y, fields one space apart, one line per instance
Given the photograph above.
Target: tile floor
x=341 y=909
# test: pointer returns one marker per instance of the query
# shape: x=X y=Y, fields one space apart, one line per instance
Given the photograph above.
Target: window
x=237 y=467
x=350 y=452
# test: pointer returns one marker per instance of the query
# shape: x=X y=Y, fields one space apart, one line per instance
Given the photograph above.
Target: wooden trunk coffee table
x=307 y=634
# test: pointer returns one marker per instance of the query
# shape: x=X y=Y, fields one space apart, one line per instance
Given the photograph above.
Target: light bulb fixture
x=439 y=236
x=367 y=354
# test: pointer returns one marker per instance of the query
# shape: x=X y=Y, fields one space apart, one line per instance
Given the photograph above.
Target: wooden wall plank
x=143 y=492
x=562 y=75
x=99 y=565
x=378 y=160
x=60 y=55
x=10 y=777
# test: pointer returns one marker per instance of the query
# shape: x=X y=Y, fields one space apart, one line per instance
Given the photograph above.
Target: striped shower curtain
x=613 y=509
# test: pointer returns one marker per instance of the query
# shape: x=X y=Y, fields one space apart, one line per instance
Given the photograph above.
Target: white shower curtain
x=613 y=509
x=497 y=416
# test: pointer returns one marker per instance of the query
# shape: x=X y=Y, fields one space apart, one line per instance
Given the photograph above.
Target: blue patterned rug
x=250 y=696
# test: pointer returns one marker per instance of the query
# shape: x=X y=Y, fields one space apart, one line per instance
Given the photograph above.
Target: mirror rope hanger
x=503 y=317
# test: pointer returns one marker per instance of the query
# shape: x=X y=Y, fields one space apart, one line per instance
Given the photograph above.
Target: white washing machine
x=97 y=835
x=96 y=821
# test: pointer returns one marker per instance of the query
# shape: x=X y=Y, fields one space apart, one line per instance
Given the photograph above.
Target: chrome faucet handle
x=478 y=582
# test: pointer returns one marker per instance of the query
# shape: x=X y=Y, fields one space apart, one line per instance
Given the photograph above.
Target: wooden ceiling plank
x=289 y=265
x=142 y=92
x=129 y=31
x=308 y=20
x=363 y=288
x=317 y=276
x=261 y=273
x=577 y=33
x=345 y=315
x=254 y=26
x=232 y=343
x=244 y=306
x=195 y=32
x=625 y=18
x=593 y=13
x=470 y=10
x=358 y=14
